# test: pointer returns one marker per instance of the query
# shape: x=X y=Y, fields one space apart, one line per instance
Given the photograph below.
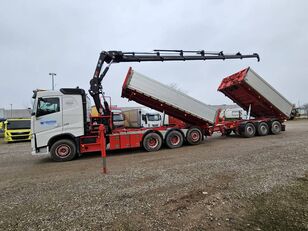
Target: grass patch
x=284 y=208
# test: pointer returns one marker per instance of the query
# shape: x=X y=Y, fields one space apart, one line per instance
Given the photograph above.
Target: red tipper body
x=168 y=100
x=246 y=88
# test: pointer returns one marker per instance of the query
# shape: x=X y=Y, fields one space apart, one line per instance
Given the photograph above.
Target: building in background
x=302 y=113
x=14 y=113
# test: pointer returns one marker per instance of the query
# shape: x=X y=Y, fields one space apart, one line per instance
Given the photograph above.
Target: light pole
x=53 y=80
x=11 y=110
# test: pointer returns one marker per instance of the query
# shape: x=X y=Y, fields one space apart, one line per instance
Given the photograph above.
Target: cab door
x=47 y=121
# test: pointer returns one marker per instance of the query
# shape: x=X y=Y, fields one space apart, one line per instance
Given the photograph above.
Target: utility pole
x=53 y=80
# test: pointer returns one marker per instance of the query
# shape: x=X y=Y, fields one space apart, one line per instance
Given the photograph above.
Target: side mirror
x=33 y=113
x=41 y=99
x=144 y=118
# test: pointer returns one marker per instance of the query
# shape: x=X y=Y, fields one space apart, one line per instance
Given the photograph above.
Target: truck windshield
x=18 y=124
x=154 y=117
x=117 y=117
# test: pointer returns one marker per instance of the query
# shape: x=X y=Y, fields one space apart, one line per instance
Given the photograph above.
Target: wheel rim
x=249 y=130
x=174 y=140
x=195 y=136
x=63 y=150
x=276 y=128
x=152 y=142
x=263 y=129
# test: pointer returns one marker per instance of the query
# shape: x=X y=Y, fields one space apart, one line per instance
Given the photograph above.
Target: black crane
x=110 y=57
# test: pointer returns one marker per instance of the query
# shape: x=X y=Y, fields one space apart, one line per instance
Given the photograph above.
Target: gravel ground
x=192 y=188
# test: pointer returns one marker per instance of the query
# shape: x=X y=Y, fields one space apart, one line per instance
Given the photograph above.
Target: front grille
x=19 y=133
x=20 y=137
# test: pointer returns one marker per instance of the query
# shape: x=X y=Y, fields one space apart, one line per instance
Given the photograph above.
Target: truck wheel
x=174 y=139
x=276 y=127
x=237 y=132
x=194 y=136
x=228 y=132
x=263 y=129
x=249 y=130
x=63 y=150
x=152 y=142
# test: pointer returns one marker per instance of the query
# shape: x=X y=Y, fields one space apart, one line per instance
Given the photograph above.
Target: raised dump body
x=247 y=88
x=160 y=97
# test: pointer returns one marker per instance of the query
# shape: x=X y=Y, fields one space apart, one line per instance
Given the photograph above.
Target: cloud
x=38 y=37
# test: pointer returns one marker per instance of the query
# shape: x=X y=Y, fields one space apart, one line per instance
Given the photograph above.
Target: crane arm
x=110 y=57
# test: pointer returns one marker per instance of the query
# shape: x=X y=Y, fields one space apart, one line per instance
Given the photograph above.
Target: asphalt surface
x=190 y=188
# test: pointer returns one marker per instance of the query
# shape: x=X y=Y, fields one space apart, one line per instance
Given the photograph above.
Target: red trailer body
x=247 y=89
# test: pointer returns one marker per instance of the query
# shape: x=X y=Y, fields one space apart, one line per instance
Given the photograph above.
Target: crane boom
x=110 y=57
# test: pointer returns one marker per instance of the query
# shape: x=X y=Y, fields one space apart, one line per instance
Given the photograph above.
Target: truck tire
x=152 y=142
x=249 y=130
x=276 y=127
x=63 y=150
x=263 y=129
x=194 y=136
x=228 y=132
x=174 y=139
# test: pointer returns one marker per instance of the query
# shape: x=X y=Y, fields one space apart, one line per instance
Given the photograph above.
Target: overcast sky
x=66 y=37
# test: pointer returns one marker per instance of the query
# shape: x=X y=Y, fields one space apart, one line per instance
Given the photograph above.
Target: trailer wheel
x=174 y=139
x=249 y=130
x=276 y=127
x=194 y=136
x=63 y=150
x=263 y=129
x=152 y=142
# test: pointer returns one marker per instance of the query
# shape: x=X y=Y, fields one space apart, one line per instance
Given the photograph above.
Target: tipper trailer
x=62 y=128
x=268 y=107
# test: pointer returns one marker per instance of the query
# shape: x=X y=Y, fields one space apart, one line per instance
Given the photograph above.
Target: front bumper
x=40 y=151
x=12 y=137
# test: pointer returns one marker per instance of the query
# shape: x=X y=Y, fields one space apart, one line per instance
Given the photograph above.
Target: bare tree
x=176 y=87
x=305 y=106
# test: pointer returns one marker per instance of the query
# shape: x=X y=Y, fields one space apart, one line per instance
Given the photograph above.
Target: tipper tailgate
x=246 y=88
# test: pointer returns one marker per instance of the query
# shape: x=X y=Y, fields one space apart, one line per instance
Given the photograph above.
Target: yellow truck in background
x=17 y=130
x=1 y=124
x=1 y=127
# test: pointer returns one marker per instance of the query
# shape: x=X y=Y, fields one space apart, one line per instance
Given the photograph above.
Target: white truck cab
x=59 y=115
x=142 y=118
